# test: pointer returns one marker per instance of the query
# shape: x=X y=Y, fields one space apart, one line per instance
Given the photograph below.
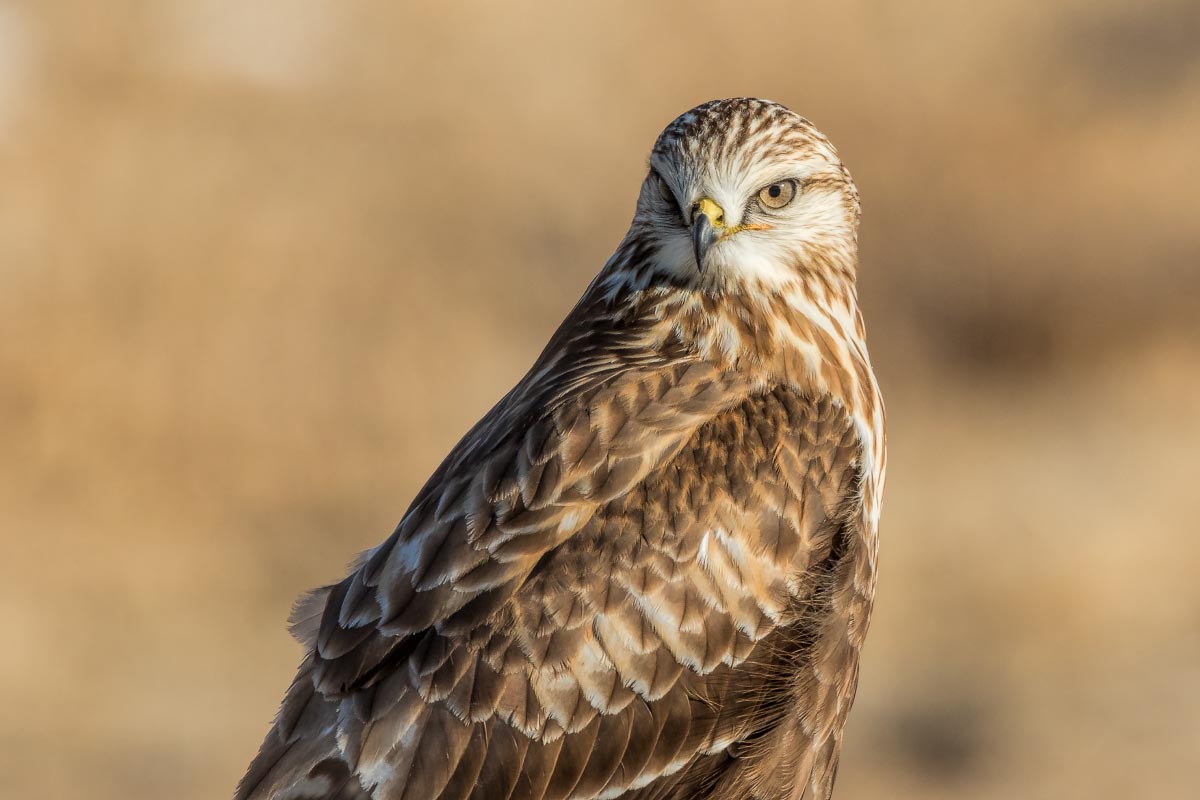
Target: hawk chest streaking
x=647 y=572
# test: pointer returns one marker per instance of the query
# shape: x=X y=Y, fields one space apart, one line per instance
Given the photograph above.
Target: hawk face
x=745 y=194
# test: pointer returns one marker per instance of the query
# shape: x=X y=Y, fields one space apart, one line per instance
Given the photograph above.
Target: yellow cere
x=709 y=208
x=716 y=215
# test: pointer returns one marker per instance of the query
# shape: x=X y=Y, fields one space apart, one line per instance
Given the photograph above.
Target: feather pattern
x=648 y=571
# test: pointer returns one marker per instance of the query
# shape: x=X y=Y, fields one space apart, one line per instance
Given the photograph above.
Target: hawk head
x=742 y=193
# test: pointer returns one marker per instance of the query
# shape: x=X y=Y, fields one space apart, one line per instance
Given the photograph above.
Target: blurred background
x=262 y=263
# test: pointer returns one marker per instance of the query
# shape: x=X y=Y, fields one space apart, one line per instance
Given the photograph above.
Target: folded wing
x=602 y=588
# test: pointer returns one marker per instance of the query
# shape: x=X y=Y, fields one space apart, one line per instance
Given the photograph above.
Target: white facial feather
x=817 y=222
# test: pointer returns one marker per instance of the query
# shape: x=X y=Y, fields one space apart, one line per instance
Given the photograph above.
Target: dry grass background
x=262 y=262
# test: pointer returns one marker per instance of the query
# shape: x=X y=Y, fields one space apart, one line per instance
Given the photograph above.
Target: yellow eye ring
x=777 y=195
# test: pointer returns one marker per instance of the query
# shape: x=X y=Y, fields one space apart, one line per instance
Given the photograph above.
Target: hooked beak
x=708 y=222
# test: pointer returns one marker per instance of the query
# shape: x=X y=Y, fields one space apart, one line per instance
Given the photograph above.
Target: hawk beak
x=708 y=220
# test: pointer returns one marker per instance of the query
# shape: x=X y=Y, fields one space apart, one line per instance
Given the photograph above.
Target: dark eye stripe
x=664 y=190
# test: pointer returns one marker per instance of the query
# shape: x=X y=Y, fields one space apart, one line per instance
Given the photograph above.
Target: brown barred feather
x=648 y=571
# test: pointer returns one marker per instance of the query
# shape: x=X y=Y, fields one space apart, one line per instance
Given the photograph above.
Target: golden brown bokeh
x=262 y=263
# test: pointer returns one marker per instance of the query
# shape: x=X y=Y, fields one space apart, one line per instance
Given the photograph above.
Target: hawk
x=648 y=571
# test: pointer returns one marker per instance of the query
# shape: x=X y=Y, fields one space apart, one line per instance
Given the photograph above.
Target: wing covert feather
x=594 y=602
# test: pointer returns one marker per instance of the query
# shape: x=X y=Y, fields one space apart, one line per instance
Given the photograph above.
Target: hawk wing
x=633 y=569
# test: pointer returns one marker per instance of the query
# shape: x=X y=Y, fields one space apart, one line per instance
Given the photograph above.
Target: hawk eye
x=777 y=195
x=663 y=189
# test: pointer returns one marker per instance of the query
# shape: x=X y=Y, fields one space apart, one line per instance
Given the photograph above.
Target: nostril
x=715 y=214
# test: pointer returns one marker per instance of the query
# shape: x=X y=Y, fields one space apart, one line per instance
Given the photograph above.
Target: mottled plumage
x=647 y=572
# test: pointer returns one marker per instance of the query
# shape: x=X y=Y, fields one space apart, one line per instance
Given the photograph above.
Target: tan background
x=261 y=263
